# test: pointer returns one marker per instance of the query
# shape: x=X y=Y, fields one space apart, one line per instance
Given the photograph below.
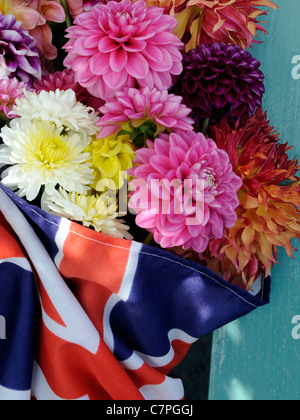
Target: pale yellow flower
x=98 y=211
x=39 y=156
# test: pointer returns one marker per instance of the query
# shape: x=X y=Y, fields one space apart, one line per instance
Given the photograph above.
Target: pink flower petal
x=137 y=65
x=106 y=45
x=134 y=45
x=161 y=163
x=115 y=80
x=99 y=63
x=118 y=59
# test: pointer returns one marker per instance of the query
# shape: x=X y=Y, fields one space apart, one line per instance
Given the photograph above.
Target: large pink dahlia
x=133 y=108
x=185 y=190
x=125 y=44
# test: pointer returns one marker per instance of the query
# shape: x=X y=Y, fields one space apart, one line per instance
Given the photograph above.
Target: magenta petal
x=164 y=65
x=99 y=63
x=143 y=171
x=144 y=154
x=153 y=52
x=166 y=121
x=115 y=80
x=118 y=59
x=177 y=156
x=166 y=242
x=161 y=163
x=80 y=48
x=107 y=131
x=166 y=226
x=165 y=38
x=137 y=65
x=162 y=147
x=146 y=220
x=134 y=45
x=106 y=44
x=195 y=230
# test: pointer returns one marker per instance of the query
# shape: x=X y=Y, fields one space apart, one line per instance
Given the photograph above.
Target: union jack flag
x=93 y=317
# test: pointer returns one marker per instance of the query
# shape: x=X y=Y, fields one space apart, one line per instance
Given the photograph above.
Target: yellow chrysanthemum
x=111 y=157
x=98 y=211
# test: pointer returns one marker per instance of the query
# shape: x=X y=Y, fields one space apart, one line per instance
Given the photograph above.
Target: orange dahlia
x=268 y=214
x=205 y=21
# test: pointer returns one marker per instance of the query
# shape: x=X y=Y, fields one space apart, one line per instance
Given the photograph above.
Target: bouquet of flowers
x=143 y=120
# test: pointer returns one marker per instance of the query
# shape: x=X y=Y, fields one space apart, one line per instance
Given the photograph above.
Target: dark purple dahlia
x=18 y=53
x=220 y=80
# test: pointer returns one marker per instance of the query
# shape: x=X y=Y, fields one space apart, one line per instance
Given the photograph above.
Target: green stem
x=69 y=21
x=3 y=119
x=205 y=126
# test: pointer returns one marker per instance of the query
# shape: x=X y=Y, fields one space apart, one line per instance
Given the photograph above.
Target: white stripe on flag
x=79 y=328
x=170 y=389
x=123 y=294
x=20 y=262
x=7 y=394
x=41 y=389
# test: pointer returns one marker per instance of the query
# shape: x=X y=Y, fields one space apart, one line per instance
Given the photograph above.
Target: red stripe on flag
x=48 y=306
x=9 y=245
x=73 y=372
x=97 y=258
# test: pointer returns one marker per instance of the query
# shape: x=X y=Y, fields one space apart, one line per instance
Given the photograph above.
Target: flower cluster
x=152 y=108
x=268 y=213
x=206 y=21
x=46 y=154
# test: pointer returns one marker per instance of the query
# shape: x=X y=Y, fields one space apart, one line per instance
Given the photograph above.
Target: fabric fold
x=111 y=318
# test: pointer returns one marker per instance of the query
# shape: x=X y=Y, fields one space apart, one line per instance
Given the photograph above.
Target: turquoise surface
x=258 y=356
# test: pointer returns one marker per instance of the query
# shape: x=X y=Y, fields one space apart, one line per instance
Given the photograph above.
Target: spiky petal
x=205 y=21
x=268 y=214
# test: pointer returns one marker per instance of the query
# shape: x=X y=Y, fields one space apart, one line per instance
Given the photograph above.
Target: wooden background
x=256 y=358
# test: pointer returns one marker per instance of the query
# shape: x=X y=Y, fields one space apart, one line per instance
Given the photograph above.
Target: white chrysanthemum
x=60 y=108
x=40 y=156
x=97 y=211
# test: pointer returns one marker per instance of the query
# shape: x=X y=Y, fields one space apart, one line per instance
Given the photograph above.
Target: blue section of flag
x=96 y=317
x=17 y=306
x=171 y=293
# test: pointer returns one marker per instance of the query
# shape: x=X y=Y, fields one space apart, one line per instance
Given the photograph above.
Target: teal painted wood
x=256 y=357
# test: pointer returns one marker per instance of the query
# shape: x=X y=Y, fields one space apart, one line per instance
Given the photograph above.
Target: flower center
x=52 y=151
x=210 y=180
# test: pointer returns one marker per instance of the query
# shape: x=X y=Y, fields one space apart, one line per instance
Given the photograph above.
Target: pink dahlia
x=185 y=190
x=64 y=80
x=10 y=90
x=125 y=44
x=132 y=108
